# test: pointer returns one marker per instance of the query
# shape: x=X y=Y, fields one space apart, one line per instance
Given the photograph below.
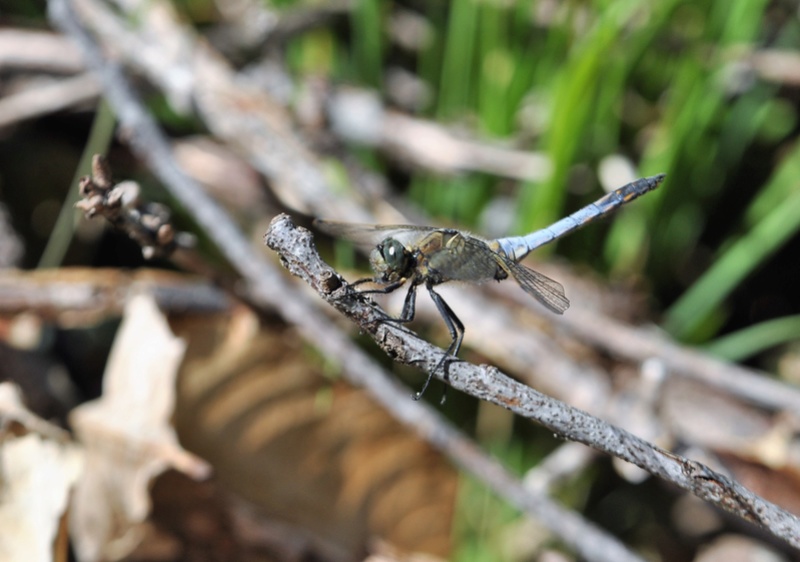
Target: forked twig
x=296 y=248
x=146 y=223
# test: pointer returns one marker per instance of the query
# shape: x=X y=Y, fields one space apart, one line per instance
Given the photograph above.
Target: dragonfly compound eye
x=394 y=254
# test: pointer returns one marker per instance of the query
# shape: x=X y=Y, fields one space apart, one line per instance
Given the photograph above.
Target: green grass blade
x=367 y=40
x=745 y=343
x=456 y=83
x=99 y=140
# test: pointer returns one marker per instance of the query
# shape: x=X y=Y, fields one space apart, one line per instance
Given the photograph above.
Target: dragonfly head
x=391 y=261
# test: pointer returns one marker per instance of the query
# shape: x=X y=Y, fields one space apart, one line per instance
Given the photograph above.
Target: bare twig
x=39 y=51
x=82 y=296
x=269 y=288
x=774 y=65
x=41 y=100
x=359 y=116
x=296 y=248
x=146 y=223
x=638 y=345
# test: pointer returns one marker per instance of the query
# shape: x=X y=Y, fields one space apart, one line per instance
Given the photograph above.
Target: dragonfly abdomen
x=517 y=247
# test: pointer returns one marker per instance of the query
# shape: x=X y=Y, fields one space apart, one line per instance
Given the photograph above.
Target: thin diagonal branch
x=297 y=251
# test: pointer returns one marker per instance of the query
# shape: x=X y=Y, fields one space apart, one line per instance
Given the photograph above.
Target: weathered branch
x=38 y=51
x=40 y=100
x=296 y=248
x=145 y=222
x=637 y=345
x=77 y=296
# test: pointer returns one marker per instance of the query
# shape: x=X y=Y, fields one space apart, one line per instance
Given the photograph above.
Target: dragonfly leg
x=361 y=282
x=409 y=308
x=386 y=289
x=456 y=329
x=409 y=305
x=381 y=291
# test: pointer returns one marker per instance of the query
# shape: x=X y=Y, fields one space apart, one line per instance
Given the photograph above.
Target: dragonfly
x=424 y=255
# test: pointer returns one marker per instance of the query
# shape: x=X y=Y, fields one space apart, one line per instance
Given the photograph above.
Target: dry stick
x=269 y=288
x=638 y=345
x=77 y=296
x=38 y=51
x=297 y=251
x=360 y=116
x=42 y=100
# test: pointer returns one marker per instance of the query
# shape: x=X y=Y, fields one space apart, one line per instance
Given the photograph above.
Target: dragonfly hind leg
x=456 y=329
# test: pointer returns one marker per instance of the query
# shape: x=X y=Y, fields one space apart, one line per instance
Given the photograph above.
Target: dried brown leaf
x=305 y=449
x=128 y=436
x=37 y=472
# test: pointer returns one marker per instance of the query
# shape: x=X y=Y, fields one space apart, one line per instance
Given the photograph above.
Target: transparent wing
x=368 y=235
x=548 y=292
x=483 y=261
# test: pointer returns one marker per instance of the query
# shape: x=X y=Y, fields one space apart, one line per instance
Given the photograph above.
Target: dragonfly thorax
x=391 y=261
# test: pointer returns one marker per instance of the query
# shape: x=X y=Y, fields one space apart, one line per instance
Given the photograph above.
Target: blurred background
x=496 y=116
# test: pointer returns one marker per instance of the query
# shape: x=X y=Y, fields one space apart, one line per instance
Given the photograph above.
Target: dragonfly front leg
x=383 y=290
x=409 y=305
x=456 y=329
x=361 y=282
x=386 y=289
